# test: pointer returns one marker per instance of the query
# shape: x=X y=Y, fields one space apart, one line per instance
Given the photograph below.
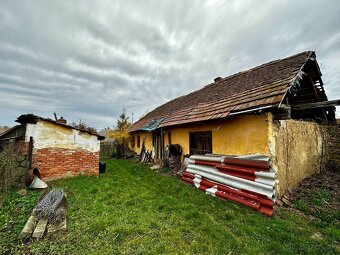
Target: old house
x=274 y=109
x=53 y=148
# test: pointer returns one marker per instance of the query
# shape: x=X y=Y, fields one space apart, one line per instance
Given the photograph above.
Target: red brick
x=59 y=163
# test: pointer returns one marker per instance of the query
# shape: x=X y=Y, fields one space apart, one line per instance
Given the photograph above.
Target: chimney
x=218 y=79
x=62 y=121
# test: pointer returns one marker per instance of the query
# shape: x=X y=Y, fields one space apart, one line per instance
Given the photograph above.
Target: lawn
x=133 y=210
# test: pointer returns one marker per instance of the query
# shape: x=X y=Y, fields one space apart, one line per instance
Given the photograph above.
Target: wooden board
x=28 y=228
x=53 y=228
x=40 y=229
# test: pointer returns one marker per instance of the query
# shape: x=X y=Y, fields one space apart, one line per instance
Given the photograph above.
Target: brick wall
x=55 y=163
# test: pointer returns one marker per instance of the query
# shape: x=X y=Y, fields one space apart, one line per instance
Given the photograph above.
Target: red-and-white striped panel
x=246 y=181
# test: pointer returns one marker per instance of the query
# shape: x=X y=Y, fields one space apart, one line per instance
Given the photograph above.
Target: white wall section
x=49 y=135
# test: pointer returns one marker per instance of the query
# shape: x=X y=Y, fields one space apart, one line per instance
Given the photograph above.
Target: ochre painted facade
x=234 y=136
x=146 y=136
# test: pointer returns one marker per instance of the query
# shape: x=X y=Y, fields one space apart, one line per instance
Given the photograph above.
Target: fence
x=108 y=150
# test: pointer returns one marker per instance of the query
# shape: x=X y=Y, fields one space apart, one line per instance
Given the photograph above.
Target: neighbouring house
x=54 y=148
x=274 y=109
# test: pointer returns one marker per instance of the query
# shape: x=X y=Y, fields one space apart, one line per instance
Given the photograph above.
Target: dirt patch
x=319 y=196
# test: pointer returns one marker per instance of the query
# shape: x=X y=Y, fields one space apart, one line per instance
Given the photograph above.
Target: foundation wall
x=57 y=163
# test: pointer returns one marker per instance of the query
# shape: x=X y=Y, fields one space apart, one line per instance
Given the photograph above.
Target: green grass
x=321 y=204
x=134 y=210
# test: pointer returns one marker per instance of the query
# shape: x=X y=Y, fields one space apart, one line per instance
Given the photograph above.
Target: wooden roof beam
x=324 y=104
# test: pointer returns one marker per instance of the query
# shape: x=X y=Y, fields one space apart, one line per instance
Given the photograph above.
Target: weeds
x=134 y=210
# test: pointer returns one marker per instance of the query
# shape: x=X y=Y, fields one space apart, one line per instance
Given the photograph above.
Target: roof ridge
x=269 y=76
x=258 y=67
x=230 y=76
x=30 y=117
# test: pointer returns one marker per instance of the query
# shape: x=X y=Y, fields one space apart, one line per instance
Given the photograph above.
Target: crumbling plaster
x=297 y=149
x=50 y=135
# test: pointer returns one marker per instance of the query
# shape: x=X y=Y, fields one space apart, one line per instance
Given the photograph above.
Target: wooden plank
x=28 y=228
x=40 y=229
x=315 y=105
x=53 y=228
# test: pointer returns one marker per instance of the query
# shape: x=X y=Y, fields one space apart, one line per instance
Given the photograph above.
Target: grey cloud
x=86 y=60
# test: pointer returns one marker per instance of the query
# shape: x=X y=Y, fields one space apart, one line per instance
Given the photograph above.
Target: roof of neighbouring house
x=31 y=118
x=4 y=129
x=262 y=86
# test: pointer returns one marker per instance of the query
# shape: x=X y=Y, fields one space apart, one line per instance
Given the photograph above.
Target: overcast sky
x=87 y=59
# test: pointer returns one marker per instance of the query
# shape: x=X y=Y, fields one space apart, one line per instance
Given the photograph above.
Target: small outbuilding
x=53 y=148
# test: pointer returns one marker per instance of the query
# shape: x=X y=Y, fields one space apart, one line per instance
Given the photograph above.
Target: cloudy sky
x=87 y=59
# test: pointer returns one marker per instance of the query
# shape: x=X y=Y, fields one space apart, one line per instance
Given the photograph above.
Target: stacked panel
x=247 y=180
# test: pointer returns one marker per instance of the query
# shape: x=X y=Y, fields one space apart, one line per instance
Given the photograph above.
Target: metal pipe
x=233 y=161
x=258 y=176
x=186 y=179
x=241 y=169
x=188 y=175
x=227 y=189
x=206 y=158
x=243 y=179
x=253 y=110
x=271 y=175
x=256 y=202
x=224 y=195
x=252 y=186
x=213 y=171
x=247 y=162
x=204 y=163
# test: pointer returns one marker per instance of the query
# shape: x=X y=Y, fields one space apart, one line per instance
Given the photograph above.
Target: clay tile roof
x=265 y=85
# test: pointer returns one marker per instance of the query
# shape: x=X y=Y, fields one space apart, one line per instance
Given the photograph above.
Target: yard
x=134 y=210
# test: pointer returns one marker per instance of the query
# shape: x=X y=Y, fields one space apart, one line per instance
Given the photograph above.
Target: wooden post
x=30 y=152
x=161 y=144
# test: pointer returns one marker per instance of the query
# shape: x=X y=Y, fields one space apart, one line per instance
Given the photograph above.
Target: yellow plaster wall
x=238 y=135
x=298 y=152
x=166 y=138
x=143 y=135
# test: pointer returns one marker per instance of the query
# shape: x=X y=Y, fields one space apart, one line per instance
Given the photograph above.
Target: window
x=200 y=142
x=169 y=138
x=132 y=141
x=138 y=141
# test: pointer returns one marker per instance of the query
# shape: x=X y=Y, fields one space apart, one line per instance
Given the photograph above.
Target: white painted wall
x=49 y=135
